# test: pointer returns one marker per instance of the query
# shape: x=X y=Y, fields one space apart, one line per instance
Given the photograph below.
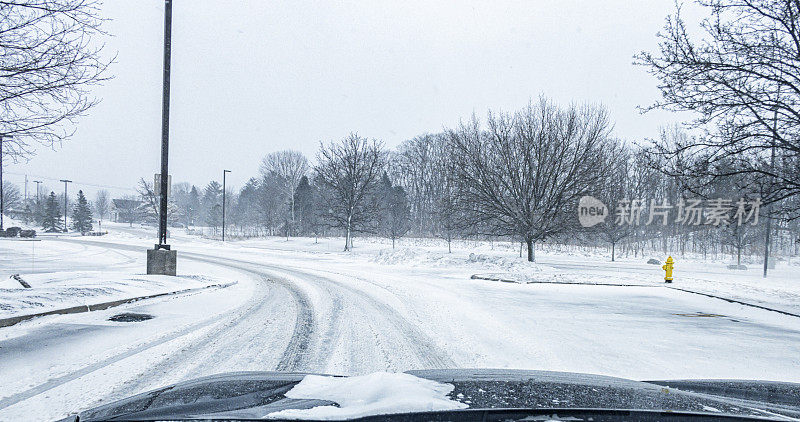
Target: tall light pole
x=2 y=197
x=224 y=172
x=160 y=259
x=162 y=221
x=65 y=202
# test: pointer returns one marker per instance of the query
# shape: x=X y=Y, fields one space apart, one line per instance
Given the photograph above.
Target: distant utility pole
x=38 y=182
x=224 y=172
x=65 y=202
x=2 y=197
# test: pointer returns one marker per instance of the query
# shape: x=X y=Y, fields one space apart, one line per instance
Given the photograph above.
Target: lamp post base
x=161 y=261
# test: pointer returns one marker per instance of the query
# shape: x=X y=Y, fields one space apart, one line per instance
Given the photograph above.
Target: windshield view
x=417 y=210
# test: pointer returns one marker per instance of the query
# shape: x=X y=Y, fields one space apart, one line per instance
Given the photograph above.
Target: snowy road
x=294 y=311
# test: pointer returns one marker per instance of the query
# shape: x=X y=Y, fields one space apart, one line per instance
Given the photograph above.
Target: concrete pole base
x=161 y=261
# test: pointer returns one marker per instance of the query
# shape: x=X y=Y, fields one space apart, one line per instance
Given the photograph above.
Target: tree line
x=513 y=176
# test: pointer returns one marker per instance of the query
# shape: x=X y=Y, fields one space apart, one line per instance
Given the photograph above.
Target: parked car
x=27 y=233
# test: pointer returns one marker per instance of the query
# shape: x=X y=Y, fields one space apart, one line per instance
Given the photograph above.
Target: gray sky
x=253 y=77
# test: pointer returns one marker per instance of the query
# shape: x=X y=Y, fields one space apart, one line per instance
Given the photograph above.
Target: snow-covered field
x=304 y=305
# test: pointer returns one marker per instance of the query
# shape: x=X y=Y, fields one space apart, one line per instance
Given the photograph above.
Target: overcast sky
x=253 y=77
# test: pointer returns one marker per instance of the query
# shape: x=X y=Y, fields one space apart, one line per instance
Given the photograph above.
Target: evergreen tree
x=395 y=214
x=51 y=218
x=82 y=215
x=214 y=217
x=306 y=207
x=28 y=214
x=192 y=206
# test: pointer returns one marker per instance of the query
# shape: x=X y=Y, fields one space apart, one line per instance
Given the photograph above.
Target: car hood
x=252 y=395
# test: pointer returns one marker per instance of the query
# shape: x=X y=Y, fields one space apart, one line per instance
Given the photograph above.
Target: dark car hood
x=248 y=395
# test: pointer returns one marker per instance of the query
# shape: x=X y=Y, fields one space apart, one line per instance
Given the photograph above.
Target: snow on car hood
x=378 y=393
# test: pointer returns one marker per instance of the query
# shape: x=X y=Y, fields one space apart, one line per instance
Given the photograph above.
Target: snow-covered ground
x=66 y=289
x=305 y=305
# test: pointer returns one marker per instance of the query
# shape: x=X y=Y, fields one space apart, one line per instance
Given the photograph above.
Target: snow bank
x=379 y=393
x=51 y=291
x=425 y=257
x=499 y=267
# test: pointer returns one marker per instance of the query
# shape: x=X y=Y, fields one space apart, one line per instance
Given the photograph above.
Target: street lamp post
x=38 y=200
x=162 y=221
x=65 y=202
x=162 y=260
x=224 y=173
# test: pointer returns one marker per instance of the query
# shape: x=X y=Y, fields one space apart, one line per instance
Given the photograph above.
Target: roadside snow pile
x=380 y=393
x=415 y=257
x=51 y=291
x=567 y=277
x=423 y=257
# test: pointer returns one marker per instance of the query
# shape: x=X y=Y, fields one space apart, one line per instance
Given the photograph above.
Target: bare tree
x=419 y=170
x=101 y=203
x=522 y=175
x=348 y=172
x=615 y=186
x=148 y=196
x=50 y=59
x=741 y=78
x=12 y=198
x=290 y=166
x=738 y=237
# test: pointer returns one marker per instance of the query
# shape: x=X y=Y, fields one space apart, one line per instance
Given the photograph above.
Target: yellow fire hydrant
x=668 y=268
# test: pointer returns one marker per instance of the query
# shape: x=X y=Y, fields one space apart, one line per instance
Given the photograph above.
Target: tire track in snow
x=414 y=339
x=202 y=356
x=296 y=352
x=296 y=355
x=419 y=343
x=433 y=357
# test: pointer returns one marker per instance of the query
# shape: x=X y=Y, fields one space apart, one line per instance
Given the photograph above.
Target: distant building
x=126 y=210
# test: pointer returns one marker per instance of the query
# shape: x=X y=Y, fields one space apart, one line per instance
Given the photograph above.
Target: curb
x=504 y=280
x=739 y=302
x=7 y=322
x=735 y=301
